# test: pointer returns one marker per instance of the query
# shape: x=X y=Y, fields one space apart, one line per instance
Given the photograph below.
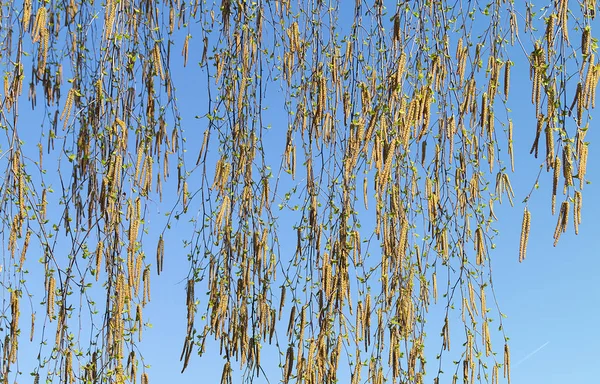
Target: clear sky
x=551 y=300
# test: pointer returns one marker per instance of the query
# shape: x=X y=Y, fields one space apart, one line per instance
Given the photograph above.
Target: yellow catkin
x=582 y=164
x=472 y=298
x=434 y=283
x=577 y=211
x=109 y=17
x=510 y=145
x=563 y=19
x=148 y=175
x=507 y=66
x=482 y=298
x=50 y=299
x=99 y=252
x=146 y=280
x=507 y=362
x=138 y=164
x=185 y=50
x=24 y=250
x=588 y=84
x=525 y=227
x=68 y=106
x=203 y=147
x=43 y=205
x=567 y=166
x=32 y=331
x=157 y=62
x=138 y=272
x=68 y=371
x=39 y=25
x=486 y=337
x=121 y=124
x=551 y=22
x=26 y=14
x=185 y=195
x=594 y=85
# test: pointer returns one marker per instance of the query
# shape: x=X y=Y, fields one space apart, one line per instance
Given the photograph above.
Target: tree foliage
x=397 y=143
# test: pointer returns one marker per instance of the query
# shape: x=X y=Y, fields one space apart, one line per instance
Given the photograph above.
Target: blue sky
x=551 y=300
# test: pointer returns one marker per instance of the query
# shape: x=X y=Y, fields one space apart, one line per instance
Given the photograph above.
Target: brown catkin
x=565 y=215
x=140 y=321
x=479 y=246
x=15 y=313
x=507 y=66
x=525 y=226
x=585 y=41
x=549 y=146
x=555 y=177
x=160 y=254
x=561 y=222
x=578 y=99
x=45 y=41
x=567 y=166
x=281 y=300
x=538 y=90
